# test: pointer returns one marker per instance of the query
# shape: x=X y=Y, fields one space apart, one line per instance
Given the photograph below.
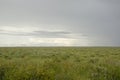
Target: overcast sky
x=59 y=22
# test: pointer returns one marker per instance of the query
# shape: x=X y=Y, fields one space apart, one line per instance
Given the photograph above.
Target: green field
x=60 y=63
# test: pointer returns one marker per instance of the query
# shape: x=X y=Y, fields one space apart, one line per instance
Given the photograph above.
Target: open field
x=57 y=63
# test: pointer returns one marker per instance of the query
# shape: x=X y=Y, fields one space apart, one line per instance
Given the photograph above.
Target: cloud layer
x=79 y=22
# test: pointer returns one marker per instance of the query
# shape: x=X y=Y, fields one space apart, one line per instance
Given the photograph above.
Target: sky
x=59 y=22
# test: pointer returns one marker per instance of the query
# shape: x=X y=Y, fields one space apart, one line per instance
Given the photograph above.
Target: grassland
x=57 y=63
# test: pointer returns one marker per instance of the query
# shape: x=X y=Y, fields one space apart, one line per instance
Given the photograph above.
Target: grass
x=60 y=63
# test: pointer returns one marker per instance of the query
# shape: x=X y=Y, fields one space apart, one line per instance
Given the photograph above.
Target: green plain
x=60 y=63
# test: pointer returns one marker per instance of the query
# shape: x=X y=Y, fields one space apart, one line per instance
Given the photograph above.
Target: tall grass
x=67 y=63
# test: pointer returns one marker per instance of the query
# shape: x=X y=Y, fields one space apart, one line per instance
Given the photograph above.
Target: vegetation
x=60 y=63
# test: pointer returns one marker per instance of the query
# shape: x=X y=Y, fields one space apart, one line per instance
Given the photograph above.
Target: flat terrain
x=60 y=63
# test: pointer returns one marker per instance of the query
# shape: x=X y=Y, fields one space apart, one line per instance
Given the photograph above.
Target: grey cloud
x=98 y=19
x=51 y=32
x=44 y=34
x=1 y=30
x=54 y=34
